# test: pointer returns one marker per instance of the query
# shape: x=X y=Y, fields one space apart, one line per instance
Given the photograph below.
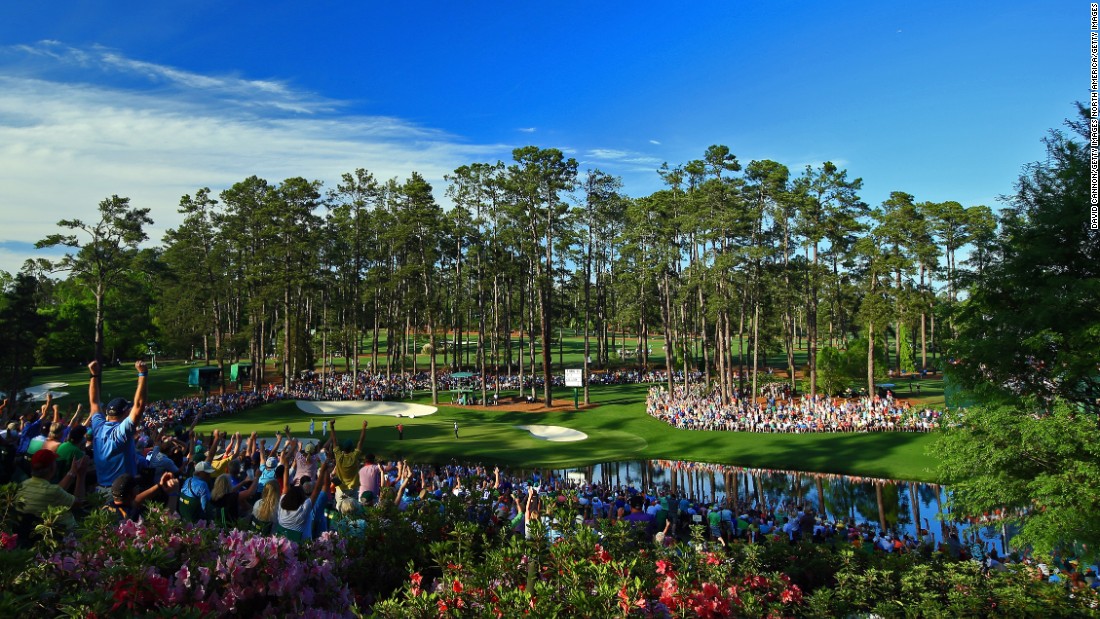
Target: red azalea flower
x=442 y=606
x=416 y=578
x=663 y=566
x=456 y=587
x=793 y=595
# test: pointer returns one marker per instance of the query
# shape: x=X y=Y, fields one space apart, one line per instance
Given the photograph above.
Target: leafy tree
x=1039 y=464
x=538 y=179
x=20 y=327
x=106 y=255
x=198 y=255
x=832 y=370
x=828 y=213
x=70 y=317
x=351 y=205
x=1027 y=344
x=1032 y=323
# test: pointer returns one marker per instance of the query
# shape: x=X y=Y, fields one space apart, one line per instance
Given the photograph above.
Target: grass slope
x=618 y=429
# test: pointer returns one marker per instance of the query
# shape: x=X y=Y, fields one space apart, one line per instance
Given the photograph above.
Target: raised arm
x=331 y=442
x=234 y=445
x=215 y=443
x=253 y=486
x=139 y=394
x=195 y=421
x=190 y=447
x=404 y=473
x=423 y=484
x=166 y=483
x=95 y=373
x=275 y=449
x=527 y=508
x=76 y=416
x=322 y=480
x=285 y=461
x=362 y=435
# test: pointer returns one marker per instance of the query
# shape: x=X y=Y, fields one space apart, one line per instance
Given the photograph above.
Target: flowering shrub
x=444 y=559
x=163 y=566
x=588 y=573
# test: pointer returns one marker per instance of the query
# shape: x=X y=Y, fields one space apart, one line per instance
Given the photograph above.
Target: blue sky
x=152 y=100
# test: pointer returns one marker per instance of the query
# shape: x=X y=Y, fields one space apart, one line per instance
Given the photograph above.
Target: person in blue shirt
x=198 y=486
x=113 y=449
x=32 y=429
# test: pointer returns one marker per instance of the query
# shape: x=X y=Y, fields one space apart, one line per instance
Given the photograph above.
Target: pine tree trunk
x=755 y=347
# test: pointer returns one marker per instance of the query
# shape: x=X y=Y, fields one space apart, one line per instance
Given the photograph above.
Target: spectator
x=370 y=480
x=295 y=513
x=265 y=510
x=72 y=448
x=37 y=493
x=128 y=504
x=195 y=493
x=113 y=447
x=348 y=459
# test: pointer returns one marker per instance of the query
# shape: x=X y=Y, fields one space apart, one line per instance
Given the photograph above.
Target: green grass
x=168 y=381
x=618 y=429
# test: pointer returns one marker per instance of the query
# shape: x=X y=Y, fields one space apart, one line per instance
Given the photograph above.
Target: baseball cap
x=272 y=462
x=118 y=407
x=43 y=458
x=204 y=467
x=311 y=448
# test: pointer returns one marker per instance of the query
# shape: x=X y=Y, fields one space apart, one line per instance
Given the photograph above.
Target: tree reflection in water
x=903 y=507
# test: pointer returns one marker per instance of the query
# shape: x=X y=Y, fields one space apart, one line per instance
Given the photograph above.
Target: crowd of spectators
x=334 y=385
x=696 y=408
x=134 y=452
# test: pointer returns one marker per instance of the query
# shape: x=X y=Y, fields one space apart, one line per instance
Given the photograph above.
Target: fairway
x=618 y=429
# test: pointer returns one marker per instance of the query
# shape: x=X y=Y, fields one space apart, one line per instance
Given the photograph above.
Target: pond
x=883 y=504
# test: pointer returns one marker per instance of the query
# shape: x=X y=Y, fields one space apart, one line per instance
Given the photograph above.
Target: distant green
x=618 y=429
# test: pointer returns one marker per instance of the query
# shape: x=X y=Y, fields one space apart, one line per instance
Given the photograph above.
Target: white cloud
x=102 y=62
x=655 y=142
x=526 y=130
x=66 y=145
x=630 y=160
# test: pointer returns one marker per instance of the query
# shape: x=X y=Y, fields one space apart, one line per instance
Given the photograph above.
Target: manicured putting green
x=618 y=429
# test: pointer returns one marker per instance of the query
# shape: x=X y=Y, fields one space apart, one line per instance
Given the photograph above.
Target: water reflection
x=903 y=507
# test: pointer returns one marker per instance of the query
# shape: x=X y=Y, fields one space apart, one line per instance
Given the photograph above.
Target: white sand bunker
x=365 y=407
x=558 y=434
